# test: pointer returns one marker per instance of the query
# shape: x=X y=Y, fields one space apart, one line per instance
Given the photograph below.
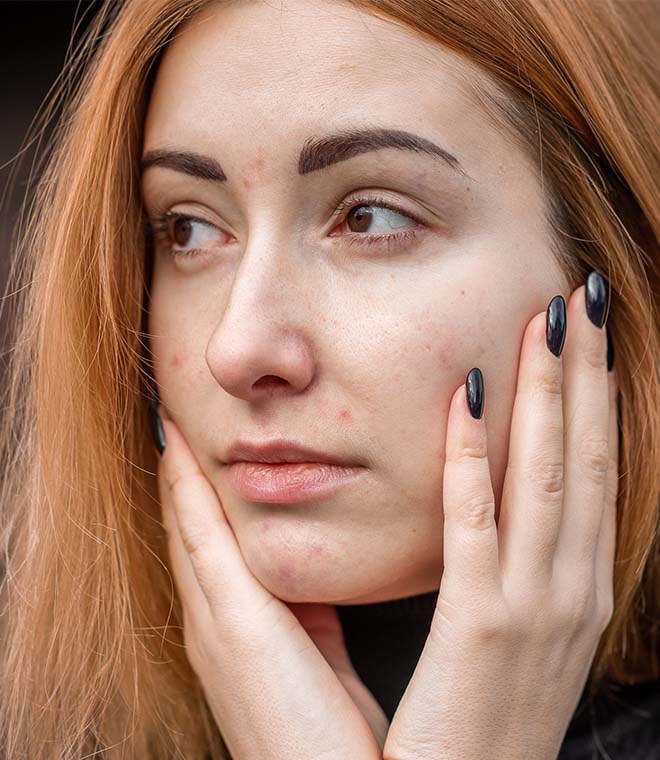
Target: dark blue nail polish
x=555 y=325
x=474 y=387
x=595 y=295
x=156 y=427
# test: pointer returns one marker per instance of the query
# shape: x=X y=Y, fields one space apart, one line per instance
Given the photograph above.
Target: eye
x=175 y=227
x=387 y=217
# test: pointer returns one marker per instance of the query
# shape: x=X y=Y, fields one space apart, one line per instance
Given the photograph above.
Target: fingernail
x=610 y=351
x=156 y=426
x=474 y=387
x=595 y=295
x=555 y=325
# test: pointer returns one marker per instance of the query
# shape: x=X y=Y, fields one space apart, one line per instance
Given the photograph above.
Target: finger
x=532 y=495
x=193 y=600
x=607 y=538
x=207 y=537
x=586 y=416
x=470 y=533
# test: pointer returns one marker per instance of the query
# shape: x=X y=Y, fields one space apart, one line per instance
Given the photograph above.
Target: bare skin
x=522 y=603
x=288 y=324
x=279 y=326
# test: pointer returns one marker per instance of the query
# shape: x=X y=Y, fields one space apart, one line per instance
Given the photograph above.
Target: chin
x=294 y=571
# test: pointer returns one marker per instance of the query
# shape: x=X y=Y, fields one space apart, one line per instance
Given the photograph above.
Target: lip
x=280 y=451
x=288 y=482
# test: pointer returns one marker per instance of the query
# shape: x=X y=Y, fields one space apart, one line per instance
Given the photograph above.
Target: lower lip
x=288 y=482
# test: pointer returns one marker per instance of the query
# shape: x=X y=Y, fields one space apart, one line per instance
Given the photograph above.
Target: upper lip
x=279 y=450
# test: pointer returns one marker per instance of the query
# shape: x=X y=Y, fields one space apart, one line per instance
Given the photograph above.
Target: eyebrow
x=316 y=152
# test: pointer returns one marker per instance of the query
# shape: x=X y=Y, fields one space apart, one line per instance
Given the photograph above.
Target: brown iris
x=362 y=217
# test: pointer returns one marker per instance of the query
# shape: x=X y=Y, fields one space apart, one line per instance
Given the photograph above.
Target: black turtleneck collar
x=385 y=640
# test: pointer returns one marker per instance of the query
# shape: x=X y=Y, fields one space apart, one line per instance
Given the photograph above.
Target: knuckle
x=547 y=383
x=468 y=454
x=496 y=625
x=593 y=453
x=490 y=623
x=548 y=479
x=578 y=610
x=478 y=511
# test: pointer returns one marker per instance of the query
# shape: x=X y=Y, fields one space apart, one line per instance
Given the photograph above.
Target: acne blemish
x=444 y=355
x=256 y=166
x=346 y=415
x=177 y=361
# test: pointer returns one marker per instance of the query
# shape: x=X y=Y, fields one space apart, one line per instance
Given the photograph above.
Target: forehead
x=251 y=69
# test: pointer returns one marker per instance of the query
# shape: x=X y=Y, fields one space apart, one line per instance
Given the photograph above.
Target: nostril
x=270 y=380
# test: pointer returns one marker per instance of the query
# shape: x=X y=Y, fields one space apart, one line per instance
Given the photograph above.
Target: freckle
x=346 y=415
x=462 y=292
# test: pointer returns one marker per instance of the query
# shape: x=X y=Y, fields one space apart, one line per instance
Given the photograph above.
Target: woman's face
x=289 y=324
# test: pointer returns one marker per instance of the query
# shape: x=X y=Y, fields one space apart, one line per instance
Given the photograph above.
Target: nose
x=263 y=344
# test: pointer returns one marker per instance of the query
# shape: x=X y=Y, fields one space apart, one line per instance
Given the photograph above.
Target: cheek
x=176 y=370
x=177 y=361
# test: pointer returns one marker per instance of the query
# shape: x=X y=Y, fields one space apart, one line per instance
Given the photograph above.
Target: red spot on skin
x=177 y=361
x=444 y=355
x=346 y=415
x=256 y=166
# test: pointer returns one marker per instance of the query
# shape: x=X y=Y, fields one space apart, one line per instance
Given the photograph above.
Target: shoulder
x=619 y=722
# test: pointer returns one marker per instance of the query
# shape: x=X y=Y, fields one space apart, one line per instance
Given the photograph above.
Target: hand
x=272 y=692
x=522 y=603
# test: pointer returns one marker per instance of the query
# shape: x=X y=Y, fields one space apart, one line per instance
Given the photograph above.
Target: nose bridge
x=266 y=279
x=260 y=330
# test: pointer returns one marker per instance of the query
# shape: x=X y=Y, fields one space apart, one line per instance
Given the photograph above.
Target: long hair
x=91 y=642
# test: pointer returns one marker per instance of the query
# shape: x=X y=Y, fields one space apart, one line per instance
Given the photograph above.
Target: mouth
x=288 y=482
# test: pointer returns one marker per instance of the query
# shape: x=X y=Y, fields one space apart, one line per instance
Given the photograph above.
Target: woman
x=217 y=233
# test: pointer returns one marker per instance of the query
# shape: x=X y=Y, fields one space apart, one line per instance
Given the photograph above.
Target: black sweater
x=385 y=640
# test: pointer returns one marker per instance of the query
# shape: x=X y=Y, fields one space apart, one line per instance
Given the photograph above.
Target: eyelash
x=159 y=227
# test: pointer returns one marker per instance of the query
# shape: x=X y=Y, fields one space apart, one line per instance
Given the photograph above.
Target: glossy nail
x=555 y=325
x=474 y=387
x=156 y=426
x=595 y=296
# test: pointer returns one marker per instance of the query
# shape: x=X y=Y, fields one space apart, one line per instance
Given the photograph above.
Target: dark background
x=36 y=35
